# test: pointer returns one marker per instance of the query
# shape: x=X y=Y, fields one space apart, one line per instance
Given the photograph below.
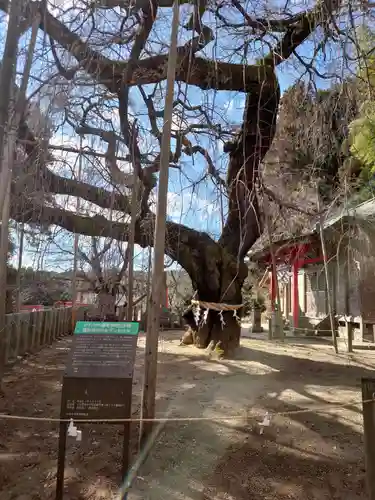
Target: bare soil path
x=315 y=455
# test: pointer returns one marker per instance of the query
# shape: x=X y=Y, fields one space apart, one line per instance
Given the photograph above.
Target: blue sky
x=195 y=205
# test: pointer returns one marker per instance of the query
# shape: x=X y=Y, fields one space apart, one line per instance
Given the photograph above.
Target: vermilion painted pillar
x=295 y=299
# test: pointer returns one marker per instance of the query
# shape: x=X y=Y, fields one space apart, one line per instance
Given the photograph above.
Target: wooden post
x=7 y=84
x=35 y=324
x=50 y=326
x=368 y=409
x=20 y=318
x=9 y=325
x=61 y=461
x=65 y=325
x=295 y=295
x=19 y=267
x=270 y=328
x=148 y=287
x=349 y=334
x=4 y=245
x=25 y=334
x=76 y=245
x=8 y=139
x=330 y=308
x=272 y=290
x=55 y=324
x=256 y=320
x=133 y=220
x=39 y=328
x=153 y=317
x=58 y=323
x=277 y=321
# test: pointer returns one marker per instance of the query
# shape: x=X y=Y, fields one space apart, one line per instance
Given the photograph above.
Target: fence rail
x=27 y=332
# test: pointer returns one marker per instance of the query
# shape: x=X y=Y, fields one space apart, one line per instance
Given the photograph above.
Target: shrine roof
x=261 y=248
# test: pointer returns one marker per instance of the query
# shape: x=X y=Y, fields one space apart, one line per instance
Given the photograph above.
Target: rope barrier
x=216 y=306
x=320 y=409
x=291 y=328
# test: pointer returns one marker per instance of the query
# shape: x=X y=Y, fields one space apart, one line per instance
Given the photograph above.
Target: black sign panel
x=102 y=356
x=86 y=398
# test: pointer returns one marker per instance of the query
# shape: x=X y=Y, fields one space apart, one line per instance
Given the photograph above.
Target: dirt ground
x=301 y=455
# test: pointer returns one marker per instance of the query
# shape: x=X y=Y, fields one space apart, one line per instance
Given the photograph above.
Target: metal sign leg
x=61 y=461
x=125 y=455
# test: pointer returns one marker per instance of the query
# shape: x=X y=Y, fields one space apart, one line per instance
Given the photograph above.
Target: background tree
x=309 y=149
x=179 y=291
x=361 y=139
x=43 y=287
x=106 y=272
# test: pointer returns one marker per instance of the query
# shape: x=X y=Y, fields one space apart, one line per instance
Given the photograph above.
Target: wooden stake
x=153 y=317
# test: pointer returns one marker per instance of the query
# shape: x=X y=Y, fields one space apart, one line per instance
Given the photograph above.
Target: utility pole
x=153 y=316
x=8 y=137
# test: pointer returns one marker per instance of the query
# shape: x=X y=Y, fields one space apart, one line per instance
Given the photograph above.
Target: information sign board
x=97 y=383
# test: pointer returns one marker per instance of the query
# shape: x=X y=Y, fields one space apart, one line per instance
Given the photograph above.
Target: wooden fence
x=27 y=332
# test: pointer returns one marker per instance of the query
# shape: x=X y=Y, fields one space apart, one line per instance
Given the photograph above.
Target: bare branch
x=99 y=196
x=297 y=33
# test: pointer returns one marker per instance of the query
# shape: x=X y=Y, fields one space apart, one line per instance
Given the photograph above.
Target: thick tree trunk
x=220 y=332
x=217 y=270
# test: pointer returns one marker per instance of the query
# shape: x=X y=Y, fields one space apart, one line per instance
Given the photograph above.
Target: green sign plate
x=103 y=327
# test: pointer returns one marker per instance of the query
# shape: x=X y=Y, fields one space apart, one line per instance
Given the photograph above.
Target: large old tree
x=119 y=49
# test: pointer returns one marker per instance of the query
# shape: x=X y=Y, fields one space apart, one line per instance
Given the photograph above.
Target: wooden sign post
x=97 y=383
x=368 y=409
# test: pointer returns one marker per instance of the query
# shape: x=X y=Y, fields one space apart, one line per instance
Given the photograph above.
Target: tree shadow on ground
x=273 y=465
x=309 y=369
x=263 y=468
x=185 y=461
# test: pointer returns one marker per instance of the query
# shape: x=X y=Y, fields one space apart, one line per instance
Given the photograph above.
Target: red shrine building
x=349 y=242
